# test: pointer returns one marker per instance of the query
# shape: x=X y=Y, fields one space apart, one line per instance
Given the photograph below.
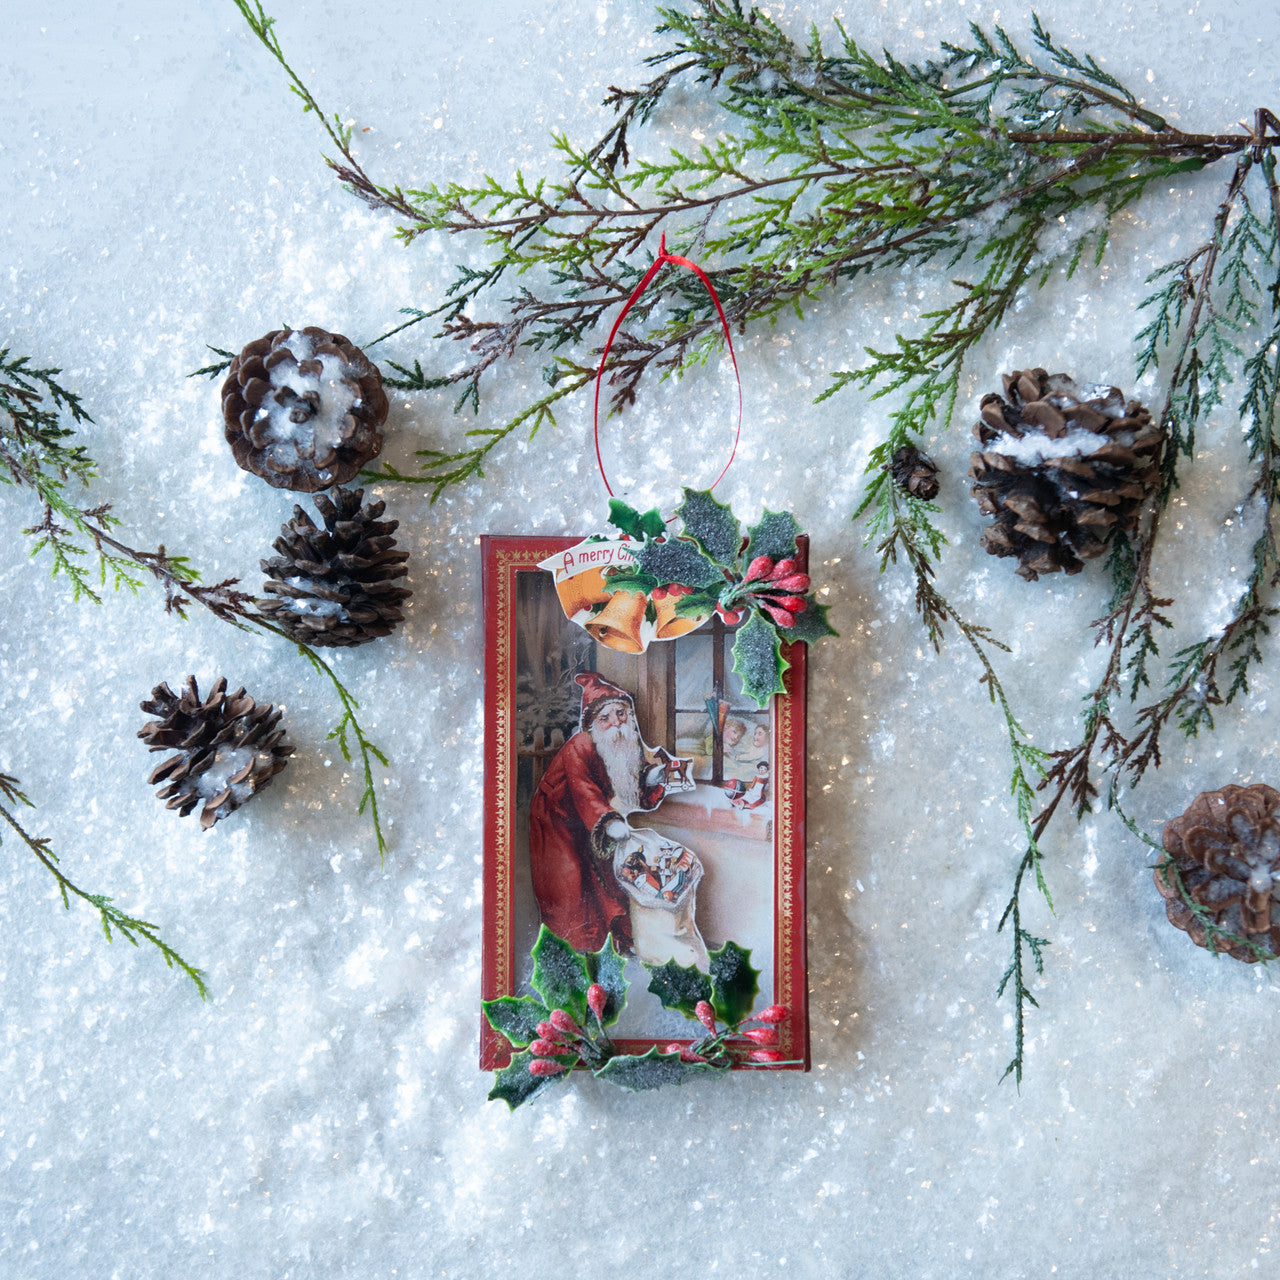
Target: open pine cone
x=915 y=473
x=303 y=409
x=1062 y=467
x=1226 y=848
x=229 y=748
x=336 y=585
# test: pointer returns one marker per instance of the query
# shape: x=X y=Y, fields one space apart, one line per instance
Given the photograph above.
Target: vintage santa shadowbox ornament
x=645 y=766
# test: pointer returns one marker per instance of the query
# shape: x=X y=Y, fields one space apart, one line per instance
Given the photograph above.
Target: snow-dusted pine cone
x=336 y=585
x=1062 y=467
x=303 y=409
x=914 y=472
x=229 y=748
x=1227 y=850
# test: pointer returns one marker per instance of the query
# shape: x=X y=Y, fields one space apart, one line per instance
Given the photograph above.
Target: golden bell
x=669 y=623
x=617 y=625
x=581 y=591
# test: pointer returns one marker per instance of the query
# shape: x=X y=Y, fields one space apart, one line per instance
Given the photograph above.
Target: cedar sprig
x=112 y=918
x=833 y=163
x=1205 y=324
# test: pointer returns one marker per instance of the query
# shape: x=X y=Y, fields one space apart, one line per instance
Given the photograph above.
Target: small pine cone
x=1226 y=848
x=229 y=748
x=336 y=585
x=303 y=409
x=1062 y=468
x=915 y=473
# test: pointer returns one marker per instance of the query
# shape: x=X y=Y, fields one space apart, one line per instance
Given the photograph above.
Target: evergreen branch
x=111 y=917
x=34 y=456
x=837 y=163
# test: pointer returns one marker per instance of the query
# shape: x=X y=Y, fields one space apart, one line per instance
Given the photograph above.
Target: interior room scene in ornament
x=698 y=868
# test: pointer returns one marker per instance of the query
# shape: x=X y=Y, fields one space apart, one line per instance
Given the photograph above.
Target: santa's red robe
x=578 y=895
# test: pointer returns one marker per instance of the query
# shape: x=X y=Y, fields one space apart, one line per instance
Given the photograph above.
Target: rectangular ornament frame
x=754 y=881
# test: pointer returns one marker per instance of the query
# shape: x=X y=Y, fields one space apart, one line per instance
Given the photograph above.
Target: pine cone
x=915 y=473
x=303 y=409
x=1062 y=468
x=1227 y=849
x=229 y=748
x=335 y=586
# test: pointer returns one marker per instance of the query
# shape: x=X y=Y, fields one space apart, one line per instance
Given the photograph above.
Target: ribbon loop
x=658 y=263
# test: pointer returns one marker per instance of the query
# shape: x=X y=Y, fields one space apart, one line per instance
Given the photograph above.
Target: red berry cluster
x=778 y=589
x=766 y=1036
x=560 y=1035
x=674 y=589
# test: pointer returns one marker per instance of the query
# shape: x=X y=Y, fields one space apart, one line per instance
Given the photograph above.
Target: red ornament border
x=502 y=558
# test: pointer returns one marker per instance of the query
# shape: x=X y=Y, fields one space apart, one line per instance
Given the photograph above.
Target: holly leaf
x=633 y=523
x=812 y=624
x=712 y=525
x=651 y=1070
x=606 y=967
x=697 y=604
x=678 y=560
x=514 y=1085
x=631 y=578
x=679 y=987
x=560 y=975
x=757 y=658
x=734 y=983
x=516 y=1018
x=775 y=536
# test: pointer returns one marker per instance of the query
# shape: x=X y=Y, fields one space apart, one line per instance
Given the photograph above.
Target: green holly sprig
x=584 y=992
x=714 y=565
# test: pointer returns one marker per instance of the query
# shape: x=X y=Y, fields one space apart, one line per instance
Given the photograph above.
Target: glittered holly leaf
x=606 y=967
x=775 y=536
x=758 y=660
x=812 y=624
x=650 y=1070
x=516 y=1018
x=677 y=560
x=679 y=987
x=711 y=525
x=633 y=523
x=514 y=1085
x=734 y=983
x=560 y=976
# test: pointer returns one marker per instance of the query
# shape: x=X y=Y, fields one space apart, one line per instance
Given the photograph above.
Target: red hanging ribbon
x=658 y=263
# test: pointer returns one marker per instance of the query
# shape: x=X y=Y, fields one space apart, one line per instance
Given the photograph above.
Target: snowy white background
x=322 y=1115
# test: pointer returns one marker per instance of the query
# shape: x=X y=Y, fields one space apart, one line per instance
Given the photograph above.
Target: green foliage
x=679 y=987
x=708 y=557
x=650 y=1070
x=112 y=918
x=712 y=525
x=774 y=536
x=606 y=968
x=38 y=459
x=734 y=983
x=562 y=976
x=516 y=1017
x=998 y=166
x=632 y=523
x=758 y=660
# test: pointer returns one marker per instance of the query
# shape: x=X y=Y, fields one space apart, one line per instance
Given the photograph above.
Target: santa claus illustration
x=577 y=818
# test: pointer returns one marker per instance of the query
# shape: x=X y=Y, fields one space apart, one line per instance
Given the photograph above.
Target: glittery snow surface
x=322 y=1115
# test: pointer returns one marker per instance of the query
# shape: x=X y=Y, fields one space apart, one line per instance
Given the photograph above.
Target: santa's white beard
x=619 y=749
